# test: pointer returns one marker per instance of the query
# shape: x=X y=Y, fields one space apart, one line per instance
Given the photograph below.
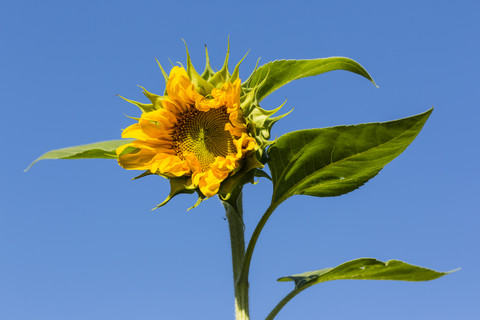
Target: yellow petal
x=136 y=161
x=209 y=184
x=172 y=106
x=135 y=131
x=180 y=88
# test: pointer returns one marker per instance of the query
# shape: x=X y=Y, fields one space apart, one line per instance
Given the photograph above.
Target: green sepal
x=365 y=269
x=177 y=186
x=260 y=121
x=208 y=72
x=264 y=121
x=236 y=71
x=130 y=117
x=201 y=85
x=222 y=76
x=144 y=107
x=165 y=75
x=144 y=174
x=249 y=99
x=154 y=98
x=262 y=174
x=200 y=199
x=98 y=150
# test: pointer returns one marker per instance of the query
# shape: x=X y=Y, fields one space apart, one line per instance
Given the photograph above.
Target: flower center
x=203 y=134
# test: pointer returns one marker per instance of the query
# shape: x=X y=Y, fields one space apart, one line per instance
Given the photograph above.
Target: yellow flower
x=187 y=134
x=206 y=134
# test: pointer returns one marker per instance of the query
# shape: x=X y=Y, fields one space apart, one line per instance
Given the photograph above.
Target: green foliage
x=365 y=269
x=275 y=74
x=271 y=76
x=333 y=161
x=359 y=269
x=98 y=150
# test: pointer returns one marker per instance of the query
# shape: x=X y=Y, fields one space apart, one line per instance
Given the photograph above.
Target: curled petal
x=180 y=88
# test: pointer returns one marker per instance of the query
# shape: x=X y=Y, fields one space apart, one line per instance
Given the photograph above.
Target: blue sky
x=78 y=239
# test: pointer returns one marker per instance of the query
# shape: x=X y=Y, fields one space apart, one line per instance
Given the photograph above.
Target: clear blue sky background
x=78 y=239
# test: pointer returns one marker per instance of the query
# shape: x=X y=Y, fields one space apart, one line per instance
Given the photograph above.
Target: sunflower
x=190 y=135
x=207 y=133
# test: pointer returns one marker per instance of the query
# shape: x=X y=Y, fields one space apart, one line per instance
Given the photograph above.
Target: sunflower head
x=207 y=133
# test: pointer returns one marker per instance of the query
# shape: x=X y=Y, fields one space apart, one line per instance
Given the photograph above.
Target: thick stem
x=237 y=240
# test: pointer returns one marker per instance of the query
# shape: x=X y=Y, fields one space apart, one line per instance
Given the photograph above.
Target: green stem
x=253 y=241
x=234 y=214
x=285 y=300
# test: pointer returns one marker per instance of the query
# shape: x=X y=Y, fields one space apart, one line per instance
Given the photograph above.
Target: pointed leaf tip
x=165 y=75
x=199 y=200
x=202 y=86
x=366 y=269
x=223 y=75
x=98 y=150
x=236 y=71
x=208 y=71
x=142 y=106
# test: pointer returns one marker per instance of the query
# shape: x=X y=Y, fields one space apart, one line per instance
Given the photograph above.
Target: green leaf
x=359 y=269
x=281 y=72
x=98 y=150
x=365 y=269
x=333 y=161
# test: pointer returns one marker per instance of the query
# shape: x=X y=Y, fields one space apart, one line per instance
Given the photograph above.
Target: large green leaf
x=99 y=150
x=280 y=72
x=365 y=269
x=333 y=161
x=359 y=269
